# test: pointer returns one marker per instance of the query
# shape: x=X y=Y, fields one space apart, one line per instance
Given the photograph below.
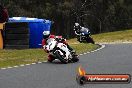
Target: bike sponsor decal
x=83 y=78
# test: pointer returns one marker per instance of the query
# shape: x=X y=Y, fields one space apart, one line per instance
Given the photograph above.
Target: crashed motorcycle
x=85 y=36
x=60 y=51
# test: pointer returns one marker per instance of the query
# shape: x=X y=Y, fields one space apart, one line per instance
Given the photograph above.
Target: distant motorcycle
x=60 y=51
x=85 y=36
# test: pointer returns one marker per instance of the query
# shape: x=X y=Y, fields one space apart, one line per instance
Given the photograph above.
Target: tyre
x=16 y=46
x=16 y=25
x=90 y=40
x=82 y=80
x=61 y=58
x=16 y=36
x=17 y=42
x=21 y=30
x=75 y=59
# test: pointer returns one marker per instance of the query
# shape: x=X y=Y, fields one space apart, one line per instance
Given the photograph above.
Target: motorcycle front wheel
x=61 y=58
x=75 y=58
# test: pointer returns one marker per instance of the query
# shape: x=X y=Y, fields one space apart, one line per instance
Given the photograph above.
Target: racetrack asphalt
x=113 y=59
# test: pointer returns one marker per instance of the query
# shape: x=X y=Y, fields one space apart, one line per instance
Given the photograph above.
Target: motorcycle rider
x=78 y=29
x=46 y=36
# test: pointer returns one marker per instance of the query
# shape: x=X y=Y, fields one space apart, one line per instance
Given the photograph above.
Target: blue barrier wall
x=36 y=26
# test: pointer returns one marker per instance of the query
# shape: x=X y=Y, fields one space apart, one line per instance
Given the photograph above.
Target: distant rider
x=79 y=29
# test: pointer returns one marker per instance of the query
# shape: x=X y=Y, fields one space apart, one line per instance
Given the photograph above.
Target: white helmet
x=46 y=34
x=76 y=24
x=83 y=28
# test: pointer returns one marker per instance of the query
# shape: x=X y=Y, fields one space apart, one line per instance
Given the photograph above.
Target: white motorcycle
x=60 y=51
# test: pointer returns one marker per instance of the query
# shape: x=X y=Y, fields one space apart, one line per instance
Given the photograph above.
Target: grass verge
x=118 y=36
x=10 y=57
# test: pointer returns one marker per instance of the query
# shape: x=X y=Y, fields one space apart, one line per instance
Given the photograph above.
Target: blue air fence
x=36 y=26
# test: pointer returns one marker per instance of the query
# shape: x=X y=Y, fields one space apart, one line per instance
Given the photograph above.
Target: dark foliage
x=98 y=15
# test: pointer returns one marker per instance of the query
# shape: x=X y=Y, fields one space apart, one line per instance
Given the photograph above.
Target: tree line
x=98 y=15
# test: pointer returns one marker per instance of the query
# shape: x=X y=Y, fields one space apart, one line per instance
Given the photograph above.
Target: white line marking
x=33 y=63
x=3 y=68
x=80 y=54
x=39 y=62
x=9 y=67
x=27 y=64
x=22 y=65
x=44 y=61
x=102 y=46
x=15 y=66
x=117 y=42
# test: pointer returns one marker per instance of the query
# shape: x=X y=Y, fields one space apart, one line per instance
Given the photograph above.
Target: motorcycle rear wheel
x=90 y=40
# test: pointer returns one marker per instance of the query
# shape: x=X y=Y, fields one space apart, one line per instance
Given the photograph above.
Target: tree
x=98 y=15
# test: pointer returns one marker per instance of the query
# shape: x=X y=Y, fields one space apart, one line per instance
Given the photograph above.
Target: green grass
x=118 y=36
x=10 y=57
x=17 y=57
x=84 y=47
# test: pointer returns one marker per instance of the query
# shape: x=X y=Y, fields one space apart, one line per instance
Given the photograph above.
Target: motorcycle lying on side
x=85 y=36
x=60 y=51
